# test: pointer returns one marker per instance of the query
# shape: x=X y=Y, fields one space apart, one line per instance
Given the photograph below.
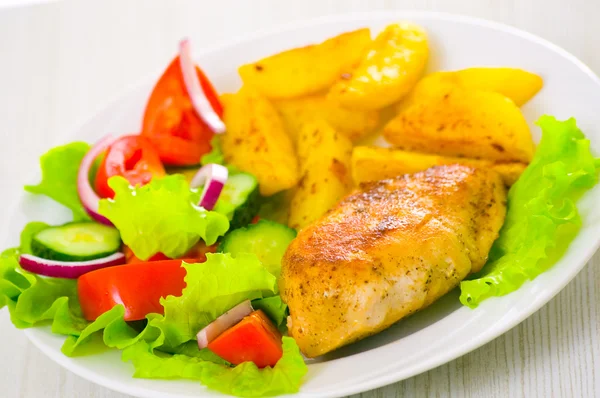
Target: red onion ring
x=194 y=89
x=213 y=176
x=88 y=197
x=67 y=269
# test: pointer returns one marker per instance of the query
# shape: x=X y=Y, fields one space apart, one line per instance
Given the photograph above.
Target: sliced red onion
x=87 y=195
x=222 y=323
x=213 y=176
x=194 y=89
x=67 y=269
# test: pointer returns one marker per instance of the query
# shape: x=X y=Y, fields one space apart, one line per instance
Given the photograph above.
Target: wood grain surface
x=62 y=61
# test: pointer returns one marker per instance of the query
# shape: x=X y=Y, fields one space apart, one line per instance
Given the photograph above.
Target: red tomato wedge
x=171 y=123
x=254 y=339
x=138 y=287
x=132 y=157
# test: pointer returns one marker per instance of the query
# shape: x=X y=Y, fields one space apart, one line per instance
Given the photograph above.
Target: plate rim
x=391 y=376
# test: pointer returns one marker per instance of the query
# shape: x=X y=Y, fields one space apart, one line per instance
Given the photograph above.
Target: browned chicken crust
x=388 y=250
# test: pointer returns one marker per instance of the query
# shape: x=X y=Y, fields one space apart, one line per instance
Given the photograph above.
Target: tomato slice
x=254 y=339
x=138 y=287
x=170 y=122
x=132 y=157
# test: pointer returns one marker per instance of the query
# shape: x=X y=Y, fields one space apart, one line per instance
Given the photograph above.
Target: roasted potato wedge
x=324 y=156
x=464 y=123
x=307 y=70
x=374 y=163
x=256 y=141
x=296 y=112
x=517 y=84
x=393 y=65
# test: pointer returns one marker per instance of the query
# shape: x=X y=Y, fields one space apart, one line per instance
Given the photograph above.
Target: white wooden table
x=60 y=62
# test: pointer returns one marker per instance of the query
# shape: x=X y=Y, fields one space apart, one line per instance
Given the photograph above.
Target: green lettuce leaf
x=191 y=349
x=245 y=380
x=115 y=332
x=213 y=287
x=274 y=308
x=542 y=217
x=32 y=299
x=59 y=176
x=28 y=233
x=161 y=217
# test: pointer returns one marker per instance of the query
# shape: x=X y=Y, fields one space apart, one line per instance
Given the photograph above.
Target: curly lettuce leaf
x=245 y=380
x=32 y=299
x=115 y=332
x=59 y=176
x=190 y=349
x=161 y=217
x=30 y=230
x=542 y=216
x=213 y=287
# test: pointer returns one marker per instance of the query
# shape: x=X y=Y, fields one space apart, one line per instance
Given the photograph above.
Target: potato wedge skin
x=306 y=70
x=394 y=64
x=464 y=123
x=324 y=156
x=517 y=84
x=375 y=163
x=354 y=124
x=256 y=141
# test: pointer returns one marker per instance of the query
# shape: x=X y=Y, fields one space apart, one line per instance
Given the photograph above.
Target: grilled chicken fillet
x=388 y=250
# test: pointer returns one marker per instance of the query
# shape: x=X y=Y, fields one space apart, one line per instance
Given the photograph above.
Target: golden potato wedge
x=256 y=141
x=517 y=84
x=375 y=163
x=296 y=112
x=393 y=65
x=464 y=123
x=306 y=70
x=324 y=156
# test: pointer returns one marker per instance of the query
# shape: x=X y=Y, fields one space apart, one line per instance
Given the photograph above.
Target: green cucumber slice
x=76 y=241
x=267 y=239
x=239 y=200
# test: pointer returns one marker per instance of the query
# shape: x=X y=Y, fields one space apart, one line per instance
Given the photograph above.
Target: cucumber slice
x=267 y=239
x=76 y=241
x=239 y=200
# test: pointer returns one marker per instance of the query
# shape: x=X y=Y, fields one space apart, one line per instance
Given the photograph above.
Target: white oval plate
x=444 y=331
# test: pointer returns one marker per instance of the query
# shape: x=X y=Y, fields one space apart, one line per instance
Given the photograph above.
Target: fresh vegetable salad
x=179 y=231
x=175 y=269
